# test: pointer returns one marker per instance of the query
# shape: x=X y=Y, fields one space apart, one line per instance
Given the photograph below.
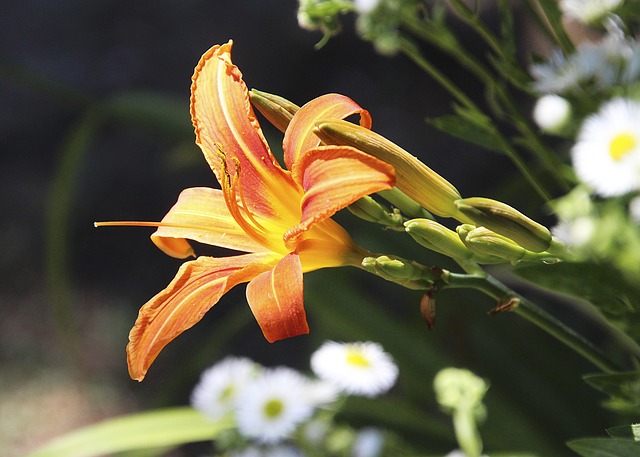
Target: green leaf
x=625 y=431
x=154 y=429
x=623 y=388
x=598 y=284
x=605 y=447
x=155 y=112
x=468 y=131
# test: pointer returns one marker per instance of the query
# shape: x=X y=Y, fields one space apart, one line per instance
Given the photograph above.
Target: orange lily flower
x=280 y=219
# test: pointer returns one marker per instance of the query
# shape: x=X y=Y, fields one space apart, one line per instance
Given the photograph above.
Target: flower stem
x=508 y=300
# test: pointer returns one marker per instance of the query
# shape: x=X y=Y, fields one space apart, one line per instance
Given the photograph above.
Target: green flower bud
x=437 y=237
x=278 y=110
x=408 y=207
x=399 y=270
x=370 y=210
x=413 y=177
x=484 y=241
x=459 y=389
x=506 y=221
x=463 y=231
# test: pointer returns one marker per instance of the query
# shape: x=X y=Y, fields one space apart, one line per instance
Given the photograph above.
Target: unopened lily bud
x=463 y=232
x=370 y=210
x=413 y=177
x=437 y=237
x=405 y=204
x=484 y=241
x=278 y=110
x=399 y=270
x=506 y=221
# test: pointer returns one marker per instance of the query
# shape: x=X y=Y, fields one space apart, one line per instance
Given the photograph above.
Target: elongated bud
x=478 y=256
x=399 y=270
x=278 y=110
x=484 y=241
x=506 y=221
x=370 y=210
x=401 y=201
x=414 y=178
x=437 y=237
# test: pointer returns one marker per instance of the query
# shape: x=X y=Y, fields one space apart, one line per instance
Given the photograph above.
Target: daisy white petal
x=588 y=11
x=607 y=154
x=273 y=405
x=219 y=387
x=361 y=368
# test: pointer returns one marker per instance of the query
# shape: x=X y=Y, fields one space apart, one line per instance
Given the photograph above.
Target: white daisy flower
x=634 y=209
x=369 y=442
x=361 y=368
x=588 y=11
x=365 y=6
x=275 y=451
x=577 y=232
x=272 y=406
x=552 y=112
x=607 y=154
x=219 y=387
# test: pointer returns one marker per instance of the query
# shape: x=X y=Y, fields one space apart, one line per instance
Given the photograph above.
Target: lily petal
x=276 y=299
x=299 y=135
x=200 y=214
x=229 y=134
x=197 y=287
x=333 y=177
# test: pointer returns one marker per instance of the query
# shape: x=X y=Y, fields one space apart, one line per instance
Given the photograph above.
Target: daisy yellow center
x=226 y=393
x=273 y=408
x=357 y=359
x=621 y=145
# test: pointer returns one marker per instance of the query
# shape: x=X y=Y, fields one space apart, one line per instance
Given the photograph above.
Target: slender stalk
x=58 y=243
x=448 y=44
x=525 y=308
x=411 y=51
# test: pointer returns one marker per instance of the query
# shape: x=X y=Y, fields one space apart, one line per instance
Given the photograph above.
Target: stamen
x=144 y=224
x=240 y=212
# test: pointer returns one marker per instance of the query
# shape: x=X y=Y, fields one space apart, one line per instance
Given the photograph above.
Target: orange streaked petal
x=333 y=177
x=200 y=214
x=197 y=287
x=299 y=135
x=228 y=132
x=277 y=301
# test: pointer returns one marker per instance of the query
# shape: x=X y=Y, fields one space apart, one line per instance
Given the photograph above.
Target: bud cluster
x=490 y=231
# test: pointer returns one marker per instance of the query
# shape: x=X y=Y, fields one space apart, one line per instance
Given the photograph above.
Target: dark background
x=94 y=126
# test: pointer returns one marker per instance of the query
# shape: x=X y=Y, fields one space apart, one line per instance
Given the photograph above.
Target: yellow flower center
x=621 y=145
x=357 y=359
x=273 y=408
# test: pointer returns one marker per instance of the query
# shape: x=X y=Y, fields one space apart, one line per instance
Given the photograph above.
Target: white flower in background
x=272 y=406
x=365 y=6
x=275 y=451
x=216 y=393
x=576 y=232
x=607 y=153
x=357 y=368
x=588 y=11
x=368 y=443
x=552 y=112
x=634 y=209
